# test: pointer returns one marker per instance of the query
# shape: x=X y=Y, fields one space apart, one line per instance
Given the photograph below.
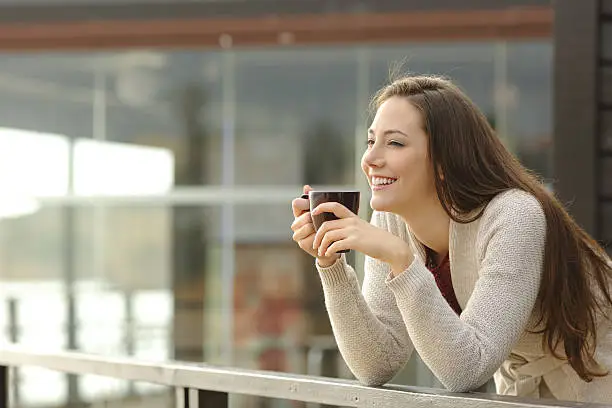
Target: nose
x=373 y=157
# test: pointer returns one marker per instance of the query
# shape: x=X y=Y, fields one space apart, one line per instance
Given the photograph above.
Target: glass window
x=471 y=66
x=295 y=116
x=49 y=93
x=169 y=100
x=113 y=244
x=33 y=246
x=528 y=104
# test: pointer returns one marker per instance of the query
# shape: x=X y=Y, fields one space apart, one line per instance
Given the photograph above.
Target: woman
x=469 y=260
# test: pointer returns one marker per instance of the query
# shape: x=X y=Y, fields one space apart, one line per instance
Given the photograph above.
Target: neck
x=430 y=225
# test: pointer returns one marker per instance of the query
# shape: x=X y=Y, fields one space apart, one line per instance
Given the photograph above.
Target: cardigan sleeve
x=464 y=351
x=367 y=324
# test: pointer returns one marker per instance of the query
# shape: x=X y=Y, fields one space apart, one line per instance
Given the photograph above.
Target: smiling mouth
x=382 y=181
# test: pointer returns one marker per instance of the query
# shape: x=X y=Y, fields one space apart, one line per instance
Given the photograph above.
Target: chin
x=380 y=205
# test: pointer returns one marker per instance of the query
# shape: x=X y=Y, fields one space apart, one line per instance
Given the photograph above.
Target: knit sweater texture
x=496 y=267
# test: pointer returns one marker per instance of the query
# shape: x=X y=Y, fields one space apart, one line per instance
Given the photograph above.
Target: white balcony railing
x=202 y=385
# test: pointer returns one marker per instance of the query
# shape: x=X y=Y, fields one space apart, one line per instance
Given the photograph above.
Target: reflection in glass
x=48 y=93
x=123 y=299
x=39 y=164
x=471 y=66
x=296 y=116
x=109 y=168
x=530 y=110
x=166 y=99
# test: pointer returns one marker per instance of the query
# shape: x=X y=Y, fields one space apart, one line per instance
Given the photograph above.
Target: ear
x=440 y=173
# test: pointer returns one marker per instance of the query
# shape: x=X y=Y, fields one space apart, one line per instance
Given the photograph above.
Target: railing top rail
x=260 y=383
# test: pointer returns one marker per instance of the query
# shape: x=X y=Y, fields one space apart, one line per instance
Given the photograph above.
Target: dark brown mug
x=348 y=198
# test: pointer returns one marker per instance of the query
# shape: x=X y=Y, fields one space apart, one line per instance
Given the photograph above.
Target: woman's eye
x=370 y=142
x=394 y=143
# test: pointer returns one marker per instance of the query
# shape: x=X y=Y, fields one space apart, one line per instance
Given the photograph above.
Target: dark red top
x=442 y=274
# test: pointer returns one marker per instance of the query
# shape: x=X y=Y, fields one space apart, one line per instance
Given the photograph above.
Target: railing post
x=4 y=387
x=14 y=335
x=192 y=398
x=129 y=331
x=181 y=399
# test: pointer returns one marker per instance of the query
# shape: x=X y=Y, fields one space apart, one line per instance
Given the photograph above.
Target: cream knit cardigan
x=496 y=266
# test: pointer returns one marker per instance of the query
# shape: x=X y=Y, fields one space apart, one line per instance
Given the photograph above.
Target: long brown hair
x=575 y=287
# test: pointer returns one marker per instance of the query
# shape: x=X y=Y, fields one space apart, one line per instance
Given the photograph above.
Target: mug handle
x=306 y=197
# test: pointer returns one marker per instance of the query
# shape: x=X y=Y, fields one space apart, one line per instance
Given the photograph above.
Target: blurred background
x=149 y=151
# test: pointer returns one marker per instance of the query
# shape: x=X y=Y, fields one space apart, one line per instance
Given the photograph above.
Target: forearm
x=454 y=351
x=374 y=348
x=463 y=352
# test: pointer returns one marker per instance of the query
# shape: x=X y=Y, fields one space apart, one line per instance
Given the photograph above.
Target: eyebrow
x=388 y=132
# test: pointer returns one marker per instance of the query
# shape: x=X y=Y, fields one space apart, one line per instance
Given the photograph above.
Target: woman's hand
x=304 y=231
x=351 y=232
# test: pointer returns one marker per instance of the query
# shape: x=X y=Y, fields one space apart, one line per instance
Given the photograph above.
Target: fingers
x=337 y=209
x=331 y=231
x=304 y=237
x=300 y=221
x=341 y=245
x=302 y=226
x=303 y=232
x=299 y=206
x=328 y=240
x=306 y=246
x=324 y=229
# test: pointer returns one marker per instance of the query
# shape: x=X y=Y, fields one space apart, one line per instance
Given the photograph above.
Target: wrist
x=403 y=258
x=327 y=261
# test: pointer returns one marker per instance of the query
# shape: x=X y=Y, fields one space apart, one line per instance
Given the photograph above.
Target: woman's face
x=396 y=161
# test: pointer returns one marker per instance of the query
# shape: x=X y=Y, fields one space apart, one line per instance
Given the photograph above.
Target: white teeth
x=381 y=180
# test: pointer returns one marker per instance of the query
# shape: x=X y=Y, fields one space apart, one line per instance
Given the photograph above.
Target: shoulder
x=515 y=214
x=515 y=205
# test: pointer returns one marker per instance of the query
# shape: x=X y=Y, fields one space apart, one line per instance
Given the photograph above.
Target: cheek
x=364 y=166
x=408 y=164
x=428 y=179
x=417 y=170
